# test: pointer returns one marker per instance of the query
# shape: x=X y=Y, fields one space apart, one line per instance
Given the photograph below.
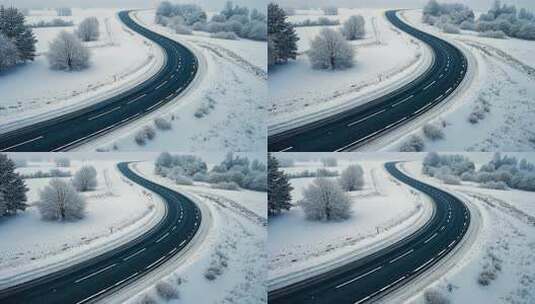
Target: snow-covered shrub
x=190 y=13
x=182 y=29
x=499 y=185
x=147 y=299
x=493 y=34
x=181 y=180
x=329 y=162
x=413 y=144
x=162 y=123
x=166 y=291
x=200 y=177
x=85 y=179
x=450 y=28
x=324 y=200
x=434 y=296
x=225 y=186
x=88 y=30
x=330 y=50
x=433 y=132
x=62 y=162
x=66 y=52
x=467 y=25
x=352 y=178
x=60 y=201
x=330 y=11
x=225 y=35
x=8 y=53
x=449 y=179
x=144 y=134
x=49 y=174
x=321 y=21
x=53 y=23
x=255 y=30
x=353 y=28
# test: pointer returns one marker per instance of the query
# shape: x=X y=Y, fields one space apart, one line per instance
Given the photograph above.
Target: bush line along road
x=70 y=130
x=94 y=278
x=351 y=129
x=385 y=270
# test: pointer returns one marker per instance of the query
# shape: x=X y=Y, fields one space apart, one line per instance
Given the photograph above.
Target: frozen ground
x=119 y=59
x=237 y=239
x=223 y=109
x=114 y=215
x=503 y=83
x=385 y=58
x=383 y=210
x=507 y=239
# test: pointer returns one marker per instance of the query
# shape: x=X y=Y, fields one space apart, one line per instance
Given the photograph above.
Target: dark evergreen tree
x=13 y=27
x=282 y=36
x=12 y=187
x=279 y=197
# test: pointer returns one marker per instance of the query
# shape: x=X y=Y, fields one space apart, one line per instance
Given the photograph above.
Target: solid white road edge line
x=359 y=277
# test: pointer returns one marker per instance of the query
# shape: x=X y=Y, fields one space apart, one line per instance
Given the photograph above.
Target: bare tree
x=353 y=28
x=352 y=178
x=330 y=50
x=85 y=179
x=88 y=29
x=60 y=201
x=324 y=200
x=66 y=52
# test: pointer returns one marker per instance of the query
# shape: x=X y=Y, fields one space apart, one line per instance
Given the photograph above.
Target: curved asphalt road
x=389 y=268
x=350 y=129
x=70 y=130
x=94 y=278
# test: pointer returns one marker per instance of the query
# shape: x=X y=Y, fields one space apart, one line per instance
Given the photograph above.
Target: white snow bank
x=31 y=247
x=384 y=210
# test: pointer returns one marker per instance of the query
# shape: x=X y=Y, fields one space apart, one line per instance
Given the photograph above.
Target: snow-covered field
x=114 y=215
x=384 y=58
x=383 y=210
x=507 y=239
x=224 y=109
x=119 y=59
x=503 y=80
x=237 y=237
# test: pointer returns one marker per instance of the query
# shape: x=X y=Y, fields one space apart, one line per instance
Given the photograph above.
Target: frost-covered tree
x=353 y=28
x=8 y=53
x=324 y=200
x=279 y=188
x=85 y=179
x=281 y=35
x=59 y=201
x=12 y=188
x=66 y=52
x=352 y=178
x=330 y=50
x=88 y=29
x=12 y=26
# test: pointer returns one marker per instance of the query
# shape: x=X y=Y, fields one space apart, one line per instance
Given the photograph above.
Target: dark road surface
x=391 y=267
x=90 y=280
x=70 y=130
x=353 y=128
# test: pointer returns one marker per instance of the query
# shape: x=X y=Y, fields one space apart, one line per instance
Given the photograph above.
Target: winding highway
x=352 y=129
x=70 y=130
x=375 y=275
x=95 y=278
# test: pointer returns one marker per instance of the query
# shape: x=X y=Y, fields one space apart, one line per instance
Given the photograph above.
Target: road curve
x=353 y=128
x=99 y=276
x=381 y=272
x=70 y=130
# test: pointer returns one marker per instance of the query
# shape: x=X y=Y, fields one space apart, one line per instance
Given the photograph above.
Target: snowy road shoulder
x=316 y=248
x=112 y=220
